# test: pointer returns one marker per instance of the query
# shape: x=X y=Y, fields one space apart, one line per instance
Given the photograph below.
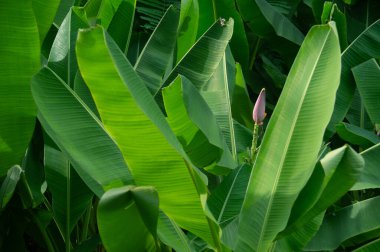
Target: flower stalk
x=258 y=116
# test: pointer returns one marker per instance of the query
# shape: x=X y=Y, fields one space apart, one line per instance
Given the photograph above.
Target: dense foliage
x=126 y=125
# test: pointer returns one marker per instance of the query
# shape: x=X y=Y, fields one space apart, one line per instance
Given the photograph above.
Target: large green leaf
x=370 y=176
x=203 y=58
x=157 y=53
x=341 y=167
x=292 y=140
x=264 y=20
x=345 y=223
x=135 y=121
x=124 y=216
x=196 y=127
x=70 y=196
x=356 y=135
x=79 y=134
x=19 y=60
x=367 y=76
x=62 y=59
x=363 y=48
x=44 y=12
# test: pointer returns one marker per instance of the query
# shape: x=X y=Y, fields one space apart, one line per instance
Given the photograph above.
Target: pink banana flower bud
x=259 y=109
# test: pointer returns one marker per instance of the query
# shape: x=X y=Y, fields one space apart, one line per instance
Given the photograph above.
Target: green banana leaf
x=188 y=27
x=62 y=59
x=241 y=104
x=292 y=140
x=346 y=223
x=370 y=176
x=44 y=11
x=200 y=62
x=70 y=196
x=369 y=247
x=196 y=127
x=356 y=135
x=265 y=20
x=157 y=54
x=226 y=200
x=134 y=120
x=331 y=12
x=79 y=134
x=217 y=93
x=19 y=60
x=340 y=167
x=363 y=48
x=239 y=42
x=126 y=216
x=9 y=185
x=172 y=235
x=120 y=27
x=367 y=76
x=357 y=114
x=31 y=192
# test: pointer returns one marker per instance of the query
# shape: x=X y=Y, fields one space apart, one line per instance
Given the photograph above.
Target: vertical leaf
x=292 y=140
x=19 y=60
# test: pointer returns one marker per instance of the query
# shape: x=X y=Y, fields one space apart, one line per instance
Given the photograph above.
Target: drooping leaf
x=196 y=127
x=70 y=196
x=157 y=53
x=62 y=59
x=122 y=218
x=79 y=134
x=44 y=12
x=129 y=112
x=363 y=48
x=292 y=140
x=217 y=93
x=341 y=225
x=370 y=176
x=367 y=76
x=9 y=185
x=19 y=60
x=356 y=135
x=341 y=167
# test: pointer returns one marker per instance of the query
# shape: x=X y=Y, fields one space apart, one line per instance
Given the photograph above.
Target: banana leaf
x=79 y=134
x=292 y=140
x=19 y=60
x=134 y=120
x=367 y=76
x=346 y=223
